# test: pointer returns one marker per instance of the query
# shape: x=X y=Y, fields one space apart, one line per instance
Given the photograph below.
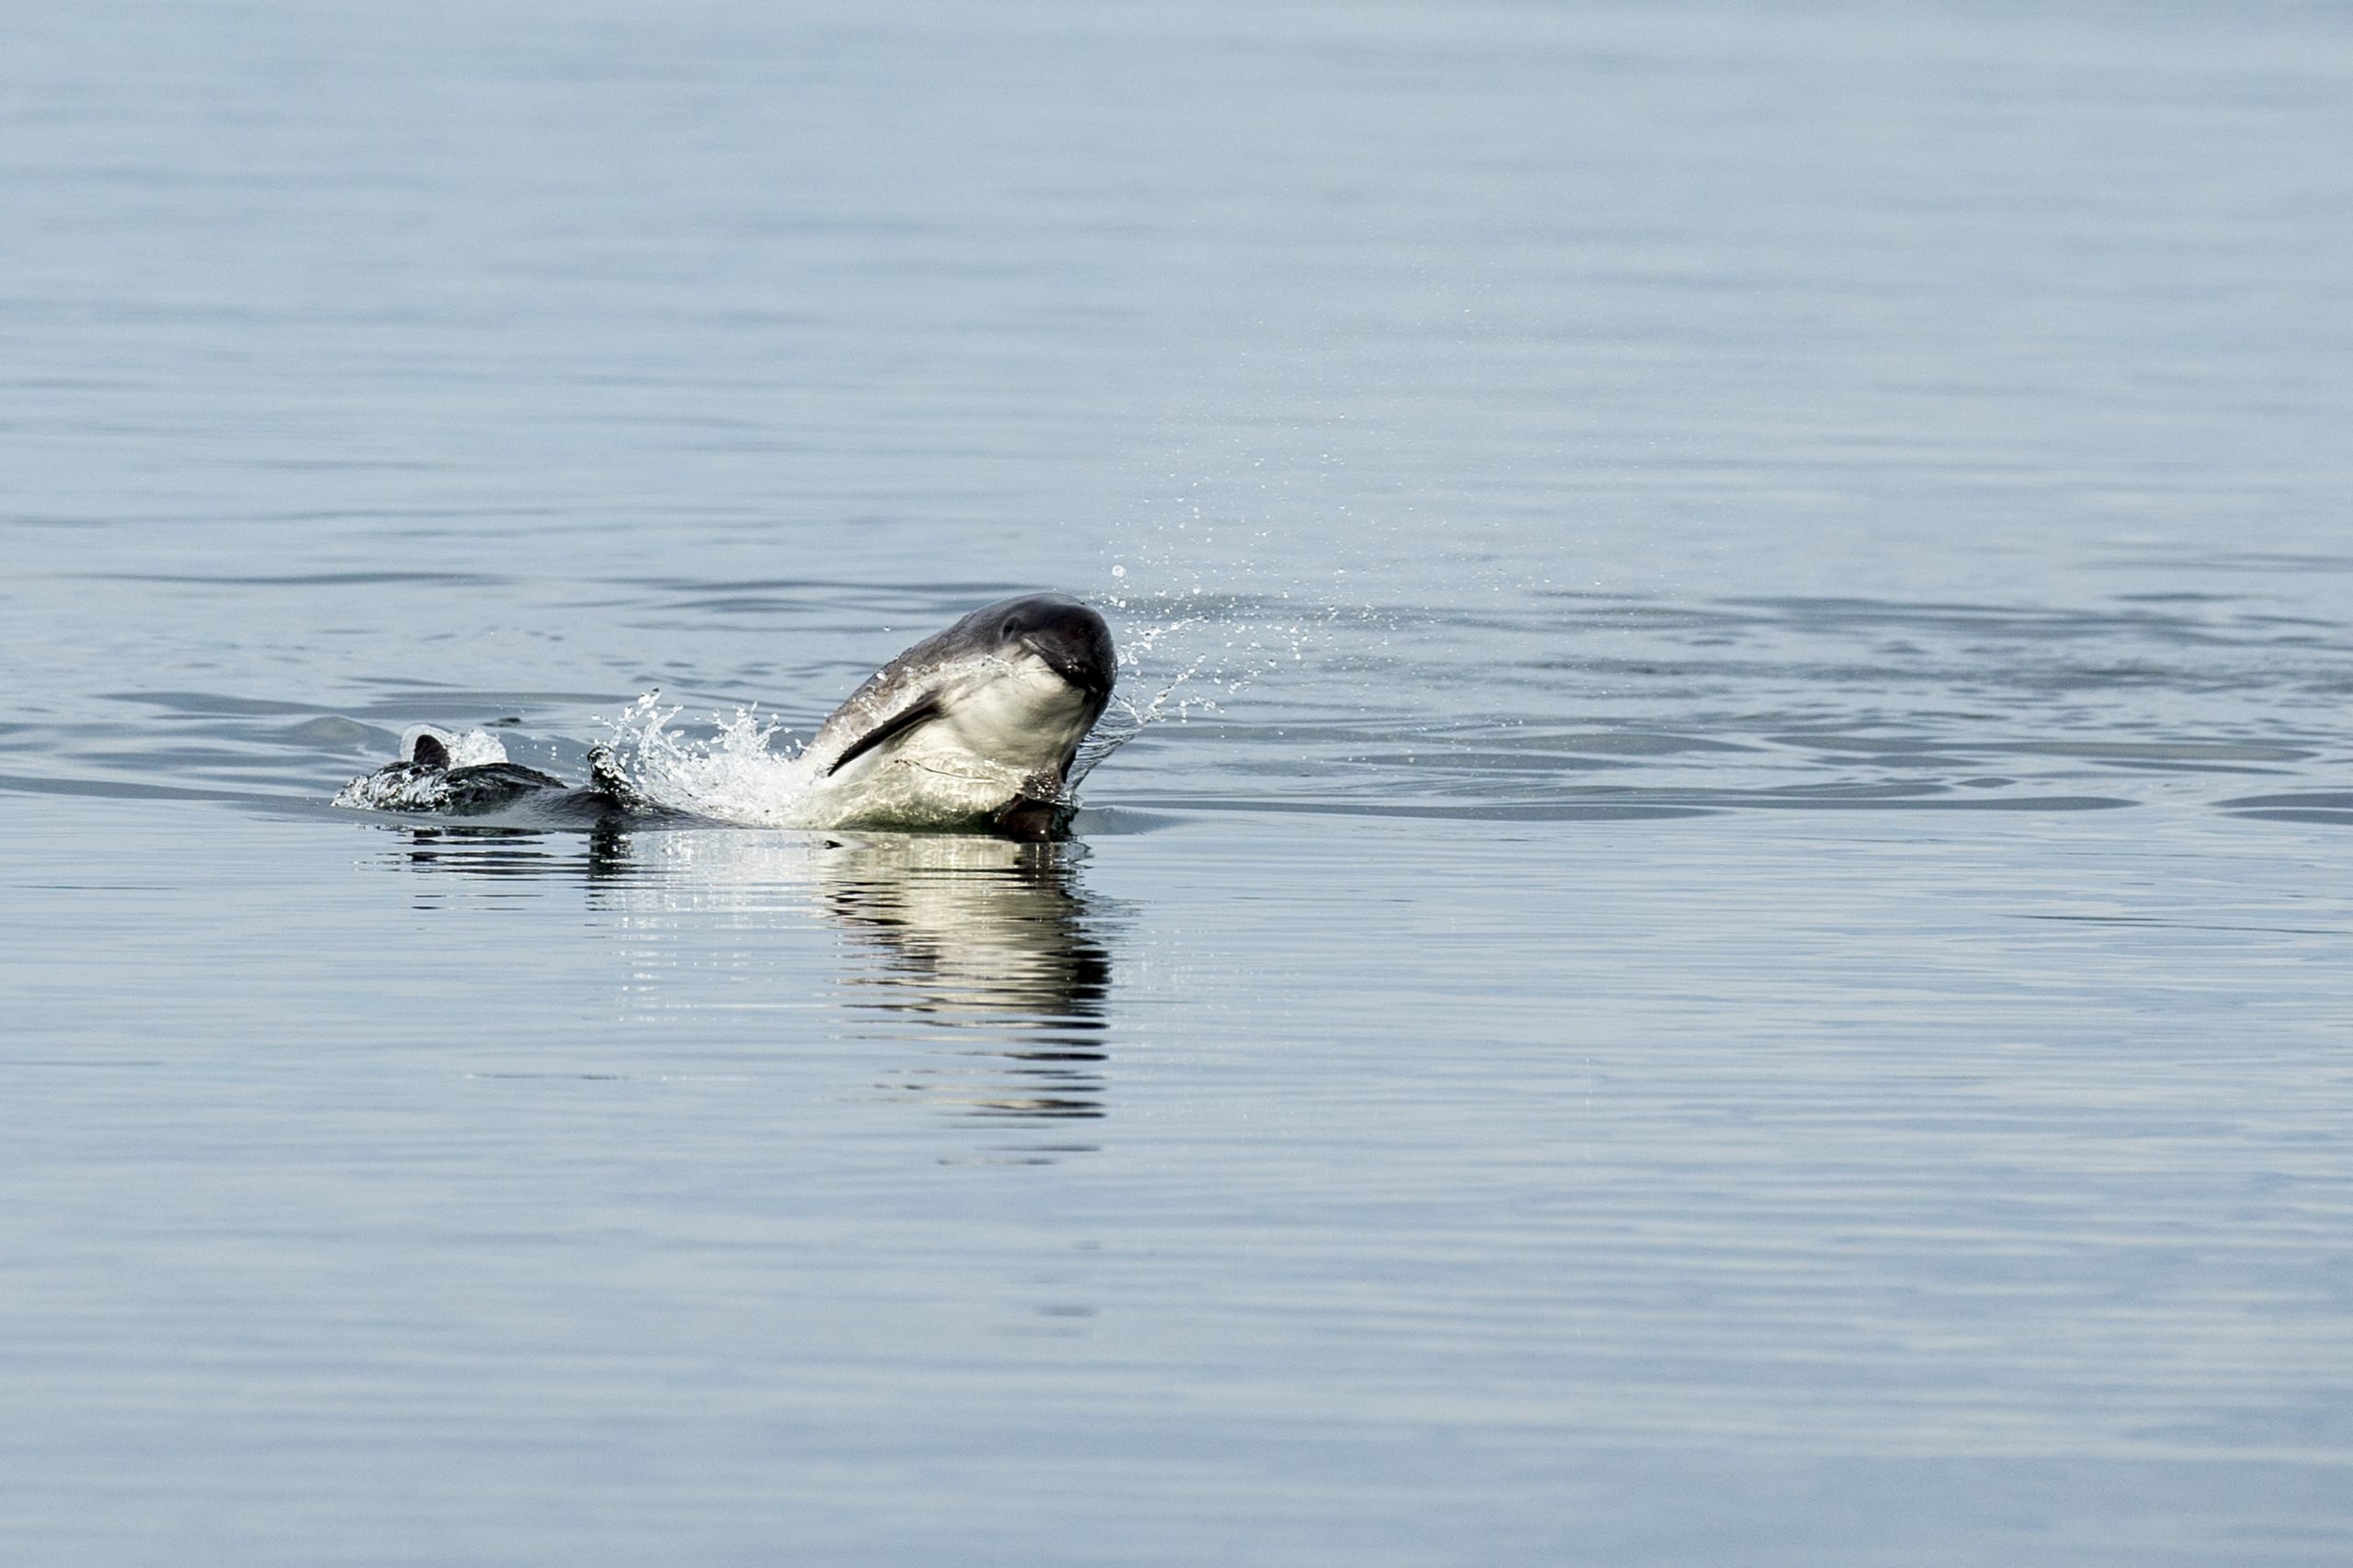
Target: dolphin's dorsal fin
x=430 y=752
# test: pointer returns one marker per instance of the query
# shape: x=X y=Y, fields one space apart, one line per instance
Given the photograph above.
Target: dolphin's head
x=1037 y=672
x=1068 y=638
x=978 y=720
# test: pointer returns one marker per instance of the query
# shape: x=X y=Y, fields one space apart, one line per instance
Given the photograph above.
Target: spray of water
x=736 y=776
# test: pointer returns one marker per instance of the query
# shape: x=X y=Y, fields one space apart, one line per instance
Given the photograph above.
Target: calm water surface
x=1727 y=942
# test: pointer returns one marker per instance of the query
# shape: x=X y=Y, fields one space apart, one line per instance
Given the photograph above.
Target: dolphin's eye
x=1011 y=627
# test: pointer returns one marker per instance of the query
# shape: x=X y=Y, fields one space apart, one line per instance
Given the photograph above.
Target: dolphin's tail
x=606 y=778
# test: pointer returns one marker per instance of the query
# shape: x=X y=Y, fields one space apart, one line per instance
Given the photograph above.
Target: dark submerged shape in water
x=988 y=715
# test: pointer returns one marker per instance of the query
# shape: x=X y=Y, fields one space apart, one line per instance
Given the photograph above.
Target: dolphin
x=975 y=726
x=989 y=714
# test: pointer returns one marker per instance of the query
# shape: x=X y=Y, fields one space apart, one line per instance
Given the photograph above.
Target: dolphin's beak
x=1071 y=665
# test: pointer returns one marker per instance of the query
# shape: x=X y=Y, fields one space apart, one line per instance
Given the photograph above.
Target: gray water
x=1729 y=942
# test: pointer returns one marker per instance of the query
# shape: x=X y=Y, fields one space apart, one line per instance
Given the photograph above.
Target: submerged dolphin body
x=975 y=726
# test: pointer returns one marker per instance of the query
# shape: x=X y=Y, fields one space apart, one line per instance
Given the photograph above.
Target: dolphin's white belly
x=999 y=740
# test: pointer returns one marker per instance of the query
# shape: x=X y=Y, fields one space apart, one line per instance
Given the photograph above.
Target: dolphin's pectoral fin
x=913 y=716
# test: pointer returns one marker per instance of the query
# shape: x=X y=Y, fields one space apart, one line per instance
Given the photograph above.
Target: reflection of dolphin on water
x=972 y=928
x=974 y=727
x=986 y=955
x=992 y=940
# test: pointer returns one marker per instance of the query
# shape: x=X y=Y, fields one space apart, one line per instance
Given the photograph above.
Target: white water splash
x=736 y=776
x=475 y=748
